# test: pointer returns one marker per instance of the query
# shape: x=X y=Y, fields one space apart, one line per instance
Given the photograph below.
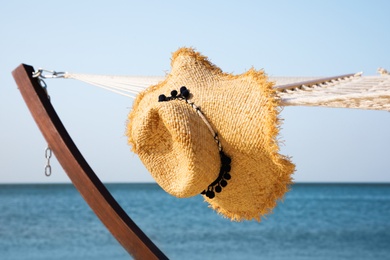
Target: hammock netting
x=345 y=91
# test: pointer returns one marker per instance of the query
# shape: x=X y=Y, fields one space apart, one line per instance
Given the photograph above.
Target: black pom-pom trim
x=184 y=94
x=225 y=159
x=162 y=98
x=210 y=194
x=222 y=179
x=224 y=172
x=226 y=167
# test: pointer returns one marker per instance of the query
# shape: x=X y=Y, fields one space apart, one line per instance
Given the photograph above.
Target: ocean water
x=315 y=221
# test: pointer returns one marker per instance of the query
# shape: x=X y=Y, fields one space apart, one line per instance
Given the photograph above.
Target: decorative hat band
x=224 y=172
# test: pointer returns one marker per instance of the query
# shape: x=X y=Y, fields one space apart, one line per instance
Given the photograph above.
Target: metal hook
x=51 y=74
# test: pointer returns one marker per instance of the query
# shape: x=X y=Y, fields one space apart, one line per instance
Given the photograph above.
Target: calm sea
x=315 y=221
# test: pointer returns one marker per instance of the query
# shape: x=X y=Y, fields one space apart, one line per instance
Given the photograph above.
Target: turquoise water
x=315 y=221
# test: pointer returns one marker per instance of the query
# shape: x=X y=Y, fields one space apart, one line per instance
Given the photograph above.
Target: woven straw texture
x=180 y=152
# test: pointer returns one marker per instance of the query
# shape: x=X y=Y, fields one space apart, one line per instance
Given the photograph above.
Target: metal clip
x=51 y=74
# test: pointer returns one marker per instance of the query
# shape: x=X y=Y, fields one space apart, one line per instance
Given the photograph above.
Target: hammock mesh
x=346 y=91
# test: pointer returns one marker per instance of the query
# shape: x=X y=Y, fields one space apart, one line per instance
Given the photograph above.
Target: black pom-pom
x=226 y=167
x=225 y=159
x=182 y=89
x=218 y=189
x=210 y=194
x=227 y=176
x=185 y=93
x=174 y=93
x=162 y=98
x=223 y=183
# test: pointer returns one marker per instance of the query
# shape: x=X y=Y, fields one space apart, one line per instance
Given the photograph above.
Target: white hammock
x=347 y=91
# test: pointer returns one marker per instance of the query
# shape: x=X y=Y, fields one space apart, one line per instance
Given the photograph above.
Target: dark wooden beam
x=129 y=235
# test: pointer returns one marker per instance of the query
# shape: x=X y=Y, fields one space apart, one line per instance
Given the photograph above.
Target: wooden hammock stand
x=129 y=235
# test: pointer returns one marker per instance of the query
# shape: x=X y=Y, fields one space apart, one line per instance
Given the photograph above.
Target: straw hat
x=215 y=136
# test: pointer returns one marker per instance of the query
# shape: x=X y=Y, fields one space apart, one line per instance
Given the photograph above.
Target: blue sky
x=285 y=38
